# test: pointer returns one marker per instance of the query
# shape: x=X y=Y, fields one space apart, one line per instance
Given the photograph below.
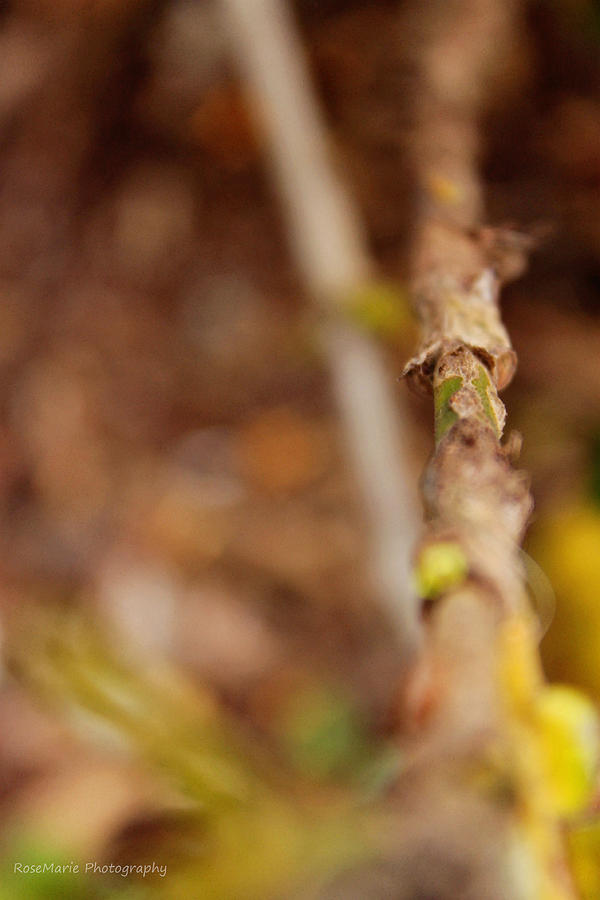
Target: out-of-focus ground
x=171 y=462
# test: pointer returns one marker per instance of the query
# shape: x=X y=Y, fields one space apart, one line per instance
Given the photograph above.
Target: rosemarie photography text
x=93 y=868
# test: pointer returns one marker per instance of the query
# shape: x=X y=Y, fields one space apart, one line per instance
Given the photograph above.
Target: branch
x=457 y=266
x=329 y=248
x=477 y=746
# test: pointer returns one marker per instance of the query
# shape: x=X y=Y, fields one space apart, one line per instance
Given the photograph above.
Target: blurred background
x=183 y=547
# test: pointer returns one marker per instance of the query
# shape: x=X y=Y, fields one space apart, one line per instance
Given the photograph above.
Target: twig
x=477 y=504
x=329 y=247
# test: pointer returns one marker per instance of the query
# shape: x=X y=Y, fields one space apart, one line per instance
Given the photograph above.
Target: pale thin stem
x=329 y=248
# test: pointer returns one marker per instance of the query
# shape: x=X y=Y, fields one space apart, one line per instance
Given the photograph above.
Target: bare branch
x=478 y=505
x=456 y=272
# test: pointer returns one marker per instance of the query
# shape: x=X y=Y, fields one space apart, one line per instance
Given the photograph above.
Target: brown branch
x=457 y=266
x=477 y=504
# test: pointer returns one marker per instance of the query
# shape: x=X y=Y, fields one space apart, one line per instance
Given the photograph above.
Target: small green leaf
x=440 y=567
x=381 y=309
x=444 y=415
x=481 y=385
